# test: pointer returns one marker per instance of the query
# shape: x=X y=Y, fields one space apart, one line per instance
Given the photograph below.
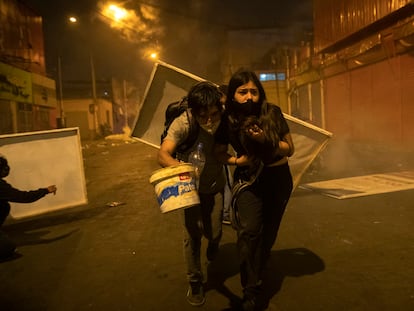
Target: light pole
x=125 y=105
x=93 y=108
x=62 y=119
x=62 y=122
x=94 y=99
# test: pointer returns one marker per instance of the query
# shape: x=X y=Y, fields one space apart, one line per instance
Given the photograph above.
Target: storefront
x=27 y=101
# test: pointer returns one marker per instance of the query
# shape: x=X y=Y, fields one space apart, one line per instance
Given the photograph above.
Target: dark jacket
x=10 y=194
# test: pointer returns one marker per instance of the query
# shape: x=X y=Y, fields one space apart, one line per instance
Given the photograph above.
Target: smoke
x=139 y=25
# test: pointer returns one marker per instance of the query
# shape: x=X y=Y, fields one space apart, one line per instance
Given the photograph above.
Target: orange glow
x=116 y=12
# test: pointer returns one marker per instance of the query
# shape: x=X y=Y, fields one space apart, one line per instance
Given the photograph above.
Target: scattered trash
x=114 y=204
x=347 y=241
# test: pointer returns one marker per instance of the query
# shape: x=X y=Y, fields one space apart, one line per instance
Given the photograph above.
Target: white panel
x=167 y=84
x=41 y=159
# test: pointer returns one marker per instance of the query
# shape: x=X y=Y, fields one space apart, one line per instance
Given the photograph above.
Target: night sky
x=185 y=31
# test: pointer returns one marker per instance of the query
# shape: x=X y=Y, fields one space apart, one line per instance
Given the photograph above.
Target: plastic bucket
x=175 y=187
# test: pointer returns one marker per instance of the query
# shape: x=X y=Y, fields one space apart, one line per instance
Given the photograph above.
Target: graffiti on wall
x=15 y=84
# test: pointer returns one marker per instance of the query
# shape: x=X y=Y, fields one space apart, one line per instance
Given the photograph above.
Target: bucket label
x=184 y=176
x=175 y=190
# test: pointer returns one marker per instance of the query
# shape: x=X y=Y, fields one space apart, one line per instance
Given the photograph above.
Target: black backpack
x=174 y=110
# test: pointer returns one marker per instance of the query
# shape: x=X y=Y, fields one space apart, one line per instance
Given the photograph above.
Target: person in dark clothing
x=259 y=133
x=205 y=219
x=10 y=194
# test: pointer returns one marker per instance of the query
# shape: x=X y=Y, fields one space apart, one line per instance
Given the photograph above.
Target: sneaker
x=212 y=250
x=195 y=294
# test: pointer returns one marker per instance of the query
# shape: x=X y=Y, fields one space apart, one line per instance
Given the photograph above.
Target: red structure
x=357 y=81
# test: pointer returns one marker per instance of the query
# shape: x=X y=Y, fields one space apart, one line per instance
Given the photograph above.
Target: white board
x=309 y=141
x=167 y=84
x=44 y=158
x=358 y=186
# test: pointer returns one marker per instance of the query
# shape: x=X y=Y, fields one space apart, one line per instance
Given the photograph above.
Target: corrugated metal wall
x=374 y=103
x=334 y=20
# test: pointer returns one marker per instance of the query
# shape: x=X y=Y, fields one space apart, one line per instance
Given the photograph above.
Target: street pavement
x=331 y=255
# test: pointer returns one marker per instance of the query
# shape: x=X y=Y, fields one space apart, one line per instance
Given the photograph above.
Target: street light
x=62 y=120
x=119 y=18
x=93 y=107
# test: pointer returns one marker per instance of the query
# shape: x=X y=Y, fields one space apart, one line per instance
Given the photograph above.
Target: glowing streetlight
x=73 y=19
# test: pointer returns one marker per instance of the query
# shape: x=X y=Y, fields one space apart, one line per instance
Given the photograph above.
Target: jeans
x=201 y=220
x=260 y=211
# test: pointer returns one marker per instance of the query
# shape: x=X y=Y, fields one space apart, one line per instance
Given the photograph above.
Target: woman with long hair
x=259 y=133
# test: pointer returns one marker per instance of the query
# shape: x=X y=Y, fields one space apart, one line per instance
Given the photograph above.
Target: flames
x=137 y=25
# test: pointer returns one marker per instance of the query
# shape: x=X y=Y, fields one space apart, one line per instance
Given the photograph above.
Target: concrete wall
x=79 y=113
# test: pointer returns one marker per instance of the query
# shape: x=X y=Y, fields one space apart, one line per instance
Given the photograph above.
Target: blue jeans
x=201 y=220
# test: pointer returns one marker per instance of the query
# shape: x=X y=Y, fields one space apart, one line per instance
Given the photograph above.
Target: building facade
x=356 y=80
x=93 y=119
x=27 y=95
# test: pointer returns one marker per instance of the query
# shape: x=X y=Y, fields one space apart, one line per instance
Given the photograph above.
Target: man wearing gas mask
x=204 y=219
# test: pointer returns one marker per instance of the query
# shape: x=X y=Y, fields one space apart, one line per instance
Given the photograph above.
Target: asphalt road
x=331 y=255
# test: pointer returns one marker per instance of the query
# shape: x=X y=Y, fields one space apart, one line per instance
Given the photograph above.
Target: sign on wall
x=15 y=84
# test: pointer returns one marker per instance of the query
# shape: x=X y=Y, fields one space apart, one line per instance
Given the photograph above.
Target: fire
x=140 y=25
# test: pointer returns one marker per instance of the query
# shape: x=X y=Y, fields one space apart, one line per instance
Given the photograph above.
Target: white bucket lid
x=167 y=172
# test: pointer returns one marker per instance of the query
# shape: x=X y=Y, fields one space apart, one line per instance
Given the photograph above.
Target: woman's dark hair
x=240 y=77
x=204 y=95
x=266 y=118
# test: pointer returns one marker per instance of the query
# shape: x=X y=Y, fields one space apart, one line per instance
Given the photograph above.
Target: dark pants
x=4 y=211
x=201 y=220
x=7 y=246
x=260 y=211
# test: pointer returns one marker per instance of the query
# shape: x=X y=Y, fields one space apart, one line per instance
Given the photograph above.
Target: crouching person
x=10 y=194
